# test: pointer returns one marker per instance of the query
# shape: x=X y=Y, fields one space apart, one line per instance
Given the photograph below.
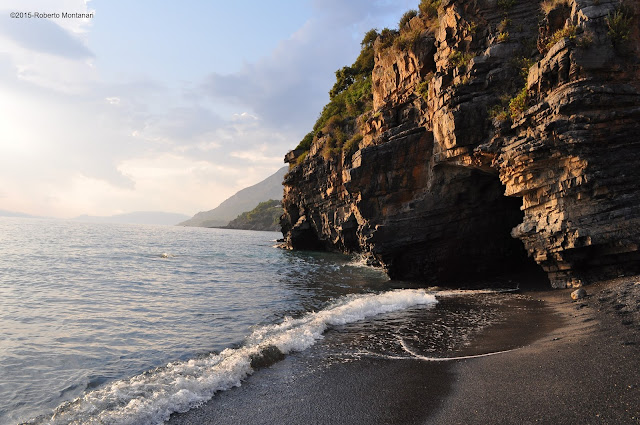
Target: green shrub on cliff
x=300 y=159
x=503 y=37
x=407 y=39
x=498 y=112
x=429 y=8
x=518 y=104
x=387 y=37
x=569 y=32
x=346 y=105
x=429 y=13
x=352 y=144
x=350 y=97
x=423 y=88
x=501 y=111
x=361 y=68
x=549 y=5
x=344 y=78
x=460 y=59
x=305 y=143
x=523 y=65
x=620 y=25
x=408 y=15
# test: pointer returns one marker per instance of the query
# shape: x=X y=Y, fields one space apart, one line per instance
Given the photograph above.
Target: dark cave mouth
x=500 y=259
x=478 y=251
x=518 y=267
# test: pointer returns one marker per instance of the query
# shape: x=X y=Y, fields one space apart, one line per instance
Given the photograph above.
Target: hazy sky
x=162 y=104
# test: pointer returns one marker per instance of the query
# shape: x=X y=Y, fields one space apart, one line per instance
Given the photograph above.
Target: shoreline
x=580 y=365
x=585 y=371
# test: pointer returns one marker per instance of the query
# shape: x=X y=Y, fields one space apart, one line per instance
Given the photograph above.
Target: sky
x=158 y=105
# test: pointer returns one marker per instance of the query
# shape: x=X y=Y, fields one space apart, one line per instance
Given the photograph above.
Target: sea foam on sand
x=177 y=387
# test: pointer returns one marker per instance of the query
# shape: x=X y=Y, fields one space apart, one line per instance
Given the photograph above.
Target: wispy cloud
x=43 y=36
x=74 y=142
x=287 y=88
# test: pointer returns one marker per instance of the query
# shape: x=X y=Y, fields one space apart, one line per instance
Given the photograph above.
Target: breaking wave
x=177 y=387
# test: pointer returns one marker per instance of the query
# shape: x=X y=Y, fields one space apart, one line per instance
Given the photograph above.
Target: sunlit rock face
x=503 y=139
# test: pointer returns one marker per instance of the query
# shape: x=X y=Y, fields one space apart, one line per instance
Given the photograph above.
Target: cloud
x=243 y=116
x=72 y=142
x=48 y=53
x=184 y=125
x=23 y=68
x=288 y=88
x=184 y=180
x=43 y=36
x=255 y=156
x=55 y=136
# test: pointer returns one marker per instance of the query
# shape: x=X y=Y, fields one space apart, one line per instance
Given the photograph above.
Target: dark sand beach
x=578 y=362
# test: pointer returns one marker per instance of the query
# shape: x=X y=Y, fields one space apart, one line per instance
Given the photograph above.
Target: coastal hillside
x=481 y=138
x=5 y=213
x=265 y=216
x=244 y=200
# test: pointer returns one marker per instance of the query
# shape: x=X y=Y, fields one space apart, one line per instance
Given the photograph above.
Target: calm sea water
x=85 y=305
x=126 y=324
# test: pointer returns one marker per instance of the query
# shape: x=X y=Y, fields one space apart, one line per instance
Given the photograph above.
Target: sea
x=128 y=324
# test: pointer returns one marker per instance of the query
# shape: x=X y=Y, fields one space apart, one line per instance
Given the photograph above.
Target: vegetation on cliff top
x=429 y=12
x=549 y=5
x=265 y=216
x=349 y=97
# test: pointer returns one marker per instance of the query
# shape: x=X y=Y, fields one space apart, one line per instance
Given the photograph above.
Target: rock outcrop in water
x=505 y=138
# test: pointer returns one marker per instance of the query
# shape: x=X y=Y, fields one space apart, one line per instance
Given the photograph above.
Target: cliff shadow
x=463 y=235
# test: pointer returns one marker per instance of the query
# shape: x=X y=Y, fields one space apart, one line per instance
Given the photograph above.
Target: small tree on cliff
x=361 y=68
x=350 y=97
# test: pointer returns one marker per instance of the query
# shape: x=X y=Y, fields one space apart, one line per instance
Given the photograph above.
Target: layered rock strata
x=498 y=142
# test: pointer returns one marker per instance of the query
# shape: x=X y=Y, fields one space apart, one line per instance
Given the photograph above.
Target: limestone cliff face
x=508 y=137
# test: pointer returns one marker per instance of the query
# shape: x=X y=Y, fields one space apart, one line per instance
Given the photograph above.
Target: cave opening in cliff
x=463 y=238
x=507 y=261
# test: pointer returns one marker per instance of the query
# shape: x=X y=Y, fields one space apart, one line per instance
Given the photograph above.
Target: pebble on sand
x=578 y=294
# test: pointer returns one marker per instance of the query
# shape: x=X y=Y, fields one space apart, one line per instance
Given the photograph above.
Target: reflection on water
x=97 y=310
x=84 y=304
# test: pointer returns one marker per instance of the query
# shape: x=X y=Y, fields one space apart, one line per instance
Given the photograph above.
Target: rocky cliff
x=504 y=137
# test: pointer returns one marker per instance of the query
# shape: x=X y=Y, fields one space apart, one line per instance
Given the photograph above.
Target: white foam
x=446 y=359
x=150 y=398
x=360 y=261
x=458 y=292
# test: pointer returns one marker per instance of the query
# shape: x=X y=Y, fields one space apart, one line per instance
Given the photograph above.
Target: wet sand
x=587 y=371
x=578 y=362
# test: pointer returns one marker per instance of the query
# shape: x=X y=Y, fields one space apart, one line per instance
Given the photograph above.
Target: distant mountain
x=244 y=200
x=4 y=213
x=266 y=216
x=138 y=217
